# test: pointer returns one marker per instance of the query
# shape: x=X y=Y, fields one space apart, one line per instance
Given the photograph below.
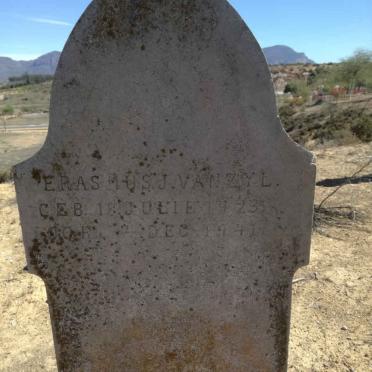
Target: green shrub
x=286 y=111
x=352 y=72
x=26 y=79
x=298 y=88
x=363 y=128
x=356 y=70
x=26 y=109
x=8 y=110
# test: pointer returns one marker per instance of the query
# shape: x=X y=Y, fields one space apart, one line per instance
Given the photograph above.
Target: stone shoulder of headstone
x=167 y=210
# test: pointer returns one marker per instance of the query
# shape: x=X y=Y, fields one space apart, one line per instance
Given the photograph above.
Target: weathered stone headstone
x=168 y=210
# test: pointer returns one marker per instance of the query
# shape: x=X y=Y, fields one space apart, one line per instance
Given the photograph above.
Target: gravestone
x=167 y=210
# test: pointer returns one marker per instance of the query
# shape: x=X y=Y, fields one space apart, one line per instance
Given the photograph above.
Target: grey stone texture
x=167 y=210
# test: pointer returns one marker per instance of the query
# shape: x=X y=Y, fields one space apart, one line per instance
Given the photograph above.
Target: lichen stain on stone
x=279 y=327
x=37 y=174
x=97 y=155
x=127 y=19
x=71 y=83
x=68 y=343
x=184 y=343
x=57 y=167
x=50 y=259
x=34 y=254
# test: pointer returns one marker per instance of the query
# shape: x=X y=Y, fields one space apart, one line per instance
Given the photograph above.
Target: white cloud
x=21 y=56
x=49 y=21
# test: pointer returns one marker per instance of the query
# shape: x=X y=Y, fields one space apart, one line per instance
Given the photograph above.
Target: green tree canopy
x=356 y=71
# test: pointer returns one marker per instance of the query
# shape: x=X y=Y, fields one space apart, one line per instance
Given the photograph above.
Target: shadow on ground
x=333 y=182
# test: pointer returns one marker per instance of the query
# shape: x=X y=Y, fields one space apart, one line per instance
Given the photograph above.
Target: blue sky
x=326 y=30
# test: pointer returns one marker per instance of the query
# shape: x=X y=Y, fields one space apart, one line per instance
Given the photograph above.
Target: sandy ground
x=331 y=317
x=25 y=120
x=18 y=146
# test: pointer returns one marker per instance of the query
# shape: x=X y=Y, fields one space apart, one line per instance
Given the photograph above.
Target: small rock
x=344 y=328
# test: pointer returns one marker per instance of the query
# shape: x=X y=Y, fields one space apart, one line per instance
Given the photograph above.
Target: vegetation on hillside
x=7 y=110
x=308 y=116
x=27 y=79
x=355 y=71
x=352 y=73
x=330 y=123
x=24 y=98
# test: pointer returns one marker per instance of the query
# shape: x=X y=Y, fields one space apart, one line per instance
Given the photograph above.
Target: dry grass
x=27 y=99
x=16 y=147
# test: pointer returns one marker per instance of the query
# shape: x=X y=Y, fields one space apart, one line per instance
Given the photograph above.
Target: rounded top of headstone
x=194 y=61
x=189 y=70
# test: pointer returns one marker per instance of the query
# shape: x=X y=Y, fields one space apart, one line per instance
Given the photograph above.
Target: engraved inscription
x=133 y=182
x=135 y=205
x=127 y=208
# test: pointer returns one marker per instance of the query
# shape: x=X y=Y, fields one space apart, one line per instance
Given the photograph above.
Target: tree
x=356 y=71
x=298 y=88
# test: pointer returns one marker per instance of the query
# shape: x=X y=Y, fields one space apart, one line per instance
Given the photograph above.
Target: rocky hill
x=284 y=55
x=47 y=63
x=44 y=65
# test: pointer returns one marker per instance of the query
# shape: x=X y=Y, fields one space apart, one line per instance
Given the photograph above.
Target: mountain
x=47 y=63
x=284 y=55
x=44 y=65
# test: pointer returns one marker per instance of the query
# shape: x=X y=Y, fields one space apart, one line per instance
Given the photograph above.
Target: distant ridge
x=47 y=63
x=44 y=65
x=284 y=55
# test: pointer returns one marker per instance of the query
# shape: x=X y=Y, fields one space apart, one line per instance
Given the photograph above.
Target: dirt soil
x=16 y=147
x=331 y=316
